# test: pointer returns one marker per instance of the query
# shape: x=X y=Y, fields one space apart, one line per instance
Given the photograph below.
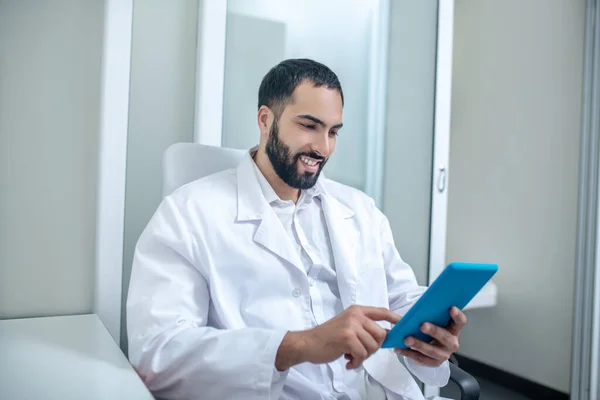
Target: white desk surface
x=486 y=298
x=72 y=357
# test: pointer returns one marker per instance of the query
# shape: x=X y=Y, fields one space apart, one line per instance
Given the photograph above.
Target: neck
x=283 y=190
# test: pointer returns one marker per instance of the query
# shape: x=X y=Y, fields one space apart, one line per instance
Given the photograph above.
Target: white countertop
x=486 y=298
x=63 y=358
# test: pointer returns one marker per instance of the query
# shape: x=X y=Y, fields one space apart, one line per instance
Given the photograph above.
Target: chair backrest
x=186 y=162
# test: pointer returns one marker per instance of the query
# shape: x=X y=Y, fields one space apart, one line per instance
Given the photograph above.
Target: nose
x=323 y=145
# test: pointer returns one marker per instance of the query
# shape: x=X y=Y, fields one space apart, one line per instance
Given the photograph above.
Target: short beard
x=286 y=165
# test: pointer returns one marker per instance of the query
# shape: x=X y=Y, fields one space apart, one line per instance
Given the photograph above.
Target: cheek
x=291 y=136
x=298 y=141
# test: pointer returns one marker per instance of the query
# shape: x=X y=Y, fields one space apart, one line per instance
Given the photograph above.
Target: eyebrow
x=318 y=121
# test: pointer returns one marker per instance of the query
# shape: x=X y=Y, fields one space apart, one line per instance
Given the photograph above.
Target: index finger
x=381 y=314
x=459 y=320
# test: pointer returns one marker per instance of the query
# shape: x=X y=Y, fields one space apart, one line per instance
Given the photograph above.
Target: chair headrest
x=186 y=162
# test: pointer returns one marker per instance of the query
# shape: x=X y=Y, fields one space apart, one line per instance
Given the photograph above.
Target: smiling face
x=299 y=142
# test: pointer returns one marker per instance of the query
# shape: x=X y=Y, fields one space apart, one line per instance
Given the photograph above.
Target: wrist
x=292 y=350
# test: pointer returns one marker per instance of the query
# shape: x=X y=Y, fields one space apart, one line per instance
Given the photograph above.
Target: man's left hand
x=444 y=343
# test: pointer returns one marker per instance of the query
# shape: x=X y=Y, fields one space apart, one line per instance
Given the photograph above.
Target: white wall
x=161 y=108
x=409 y=130
x=516 y=109
x=50 y=77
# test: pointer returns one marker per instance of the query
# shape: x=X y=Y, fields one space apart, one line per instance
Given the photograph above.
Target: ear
x=265 y=119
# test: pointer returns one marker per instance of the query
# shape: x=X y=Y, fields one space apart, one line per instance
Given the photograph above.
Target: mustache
x=310 y=154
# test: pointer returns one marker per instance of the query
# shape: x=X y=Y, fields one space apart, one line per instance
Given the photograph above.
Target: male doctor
x=270 y=281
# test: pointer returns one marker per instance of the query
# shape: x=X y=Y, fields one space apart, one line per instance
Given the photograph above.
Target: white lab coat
x=215 y=282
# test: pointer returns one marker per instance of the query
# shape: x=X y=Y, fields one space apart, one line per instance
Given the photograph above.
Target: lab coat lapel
x=253 y=207
x=344 y=239
x=272 y=235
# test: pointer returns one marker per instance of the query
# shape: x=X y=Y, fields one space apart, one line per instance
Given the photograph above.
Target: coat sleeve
x=404 y=291
x=170 y=345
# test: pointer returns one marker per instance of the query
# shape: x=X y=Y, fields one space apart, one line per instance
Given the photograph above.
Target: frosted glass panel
x=261 y=33
x=409 y=138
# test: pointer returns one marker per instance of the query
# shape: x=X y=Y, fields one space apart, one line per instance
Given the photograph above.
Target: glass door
x=393 y=59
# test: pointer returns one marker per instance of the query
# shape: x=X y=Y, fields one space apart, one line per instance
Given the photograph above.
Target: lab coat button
x=311 y=282
x=297 y=292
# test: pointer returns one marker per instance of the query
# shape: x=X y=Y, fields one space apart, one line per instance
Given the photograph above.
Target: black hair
x=280 y=82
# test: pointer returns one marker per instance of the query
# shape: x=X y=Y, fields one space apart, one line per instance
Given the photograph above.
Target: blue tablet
x=456 y=286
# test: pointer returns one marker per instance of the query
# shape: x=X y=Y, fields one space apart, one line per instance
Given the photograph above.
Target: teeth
x=309 y=162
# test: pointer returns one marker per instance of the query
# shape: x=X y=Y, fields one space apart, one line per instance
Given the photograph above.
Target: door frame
x=441 y=139
x=210 y=72
x=585 y=362
x=112 y=163
x=441 y=148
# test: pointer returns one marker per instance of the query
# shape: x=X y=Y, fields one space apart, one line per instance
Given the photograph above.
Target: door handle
x=441 y=183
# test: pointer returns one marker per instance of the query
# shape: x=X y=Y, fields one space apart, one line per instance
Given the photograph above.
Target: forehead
x=320 y=102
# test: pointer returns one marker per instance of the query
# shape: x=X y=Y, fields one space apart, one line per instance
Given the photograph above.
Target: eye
x=333 y=133
x=309 y=126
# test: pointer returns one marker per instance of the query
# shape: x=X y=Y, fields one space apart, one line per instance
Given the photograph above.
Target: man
x=271 y=282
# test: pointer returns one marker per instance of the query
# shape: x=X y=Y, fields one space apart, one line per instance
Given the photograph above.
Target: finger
x=459 y=320
x=443 y=336
x=350 y=358
x=353 y=363
x=381 y=314
x=377 y=332
x=357 y=351
x=429 y=350
x=419 y=358
x=368 y=341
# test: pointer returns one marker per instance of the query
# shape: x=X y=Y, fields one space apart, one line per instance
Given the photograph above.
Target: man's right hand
x=353 y=333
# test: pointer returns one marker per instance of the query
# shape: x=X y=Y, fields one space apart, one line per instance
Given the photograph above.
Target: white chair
x=186 y=162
